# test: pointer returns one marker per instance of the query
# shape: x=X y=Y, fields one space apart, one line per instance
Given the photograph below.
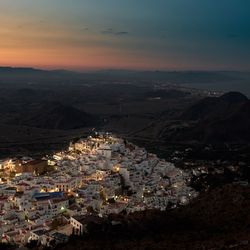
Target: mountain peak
x=234 y=96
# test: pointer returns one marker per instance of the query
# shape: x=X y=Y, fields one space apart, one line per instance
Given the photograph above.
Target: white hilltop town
x=47 y=200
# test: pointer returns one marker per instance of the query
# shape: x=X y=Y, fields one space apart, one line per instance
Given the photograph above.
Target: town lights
x=116 y=168
x=92 y=181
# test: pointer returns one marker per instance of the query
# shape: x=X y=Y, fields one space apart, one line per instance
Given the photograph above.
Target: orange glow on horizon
x=78 y=59
x=51 y=47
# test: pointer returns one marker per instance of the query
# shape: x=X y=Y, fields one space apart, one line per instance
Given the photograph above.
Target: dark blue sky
x=144 y=34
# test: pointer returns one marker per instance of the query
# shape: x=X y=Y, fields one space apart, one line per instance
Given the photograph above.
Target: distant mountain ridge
x=171 y=76
x=12 y=71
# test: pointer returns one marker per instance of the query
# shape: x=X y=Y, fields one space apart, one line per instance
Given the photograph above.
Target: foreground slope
x=218 y=219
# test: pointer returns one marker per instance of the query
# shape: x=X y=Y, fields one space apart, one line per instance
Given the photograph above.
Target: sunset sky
x=131 y=34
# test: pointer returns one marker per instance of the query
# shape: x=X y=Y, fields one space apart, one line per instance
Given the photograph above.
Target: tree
x=56 y=223
x=90 y=209
x=33 y=244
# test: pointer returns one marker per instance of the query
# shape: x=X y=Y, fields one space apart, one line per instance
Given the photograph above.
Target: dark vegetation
x=5 y=246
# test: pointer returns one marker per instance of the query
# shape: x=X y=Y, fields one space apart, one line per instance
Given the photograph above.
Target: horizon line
x=95 y=70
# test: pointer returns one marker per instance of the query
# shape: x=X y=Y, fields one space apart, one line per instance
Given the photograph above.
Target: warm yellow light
x=116 y=168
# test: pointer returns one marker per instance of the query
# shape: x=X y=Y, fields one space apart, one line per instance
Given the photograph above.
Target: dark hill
x=225 y=119
x=55 y=116
x=232 y=127
x=212 y=107
x=234 y=97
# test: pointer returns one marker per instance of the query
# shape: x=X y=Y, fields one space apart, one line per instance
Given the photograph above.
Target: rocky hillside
x=218 y=219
